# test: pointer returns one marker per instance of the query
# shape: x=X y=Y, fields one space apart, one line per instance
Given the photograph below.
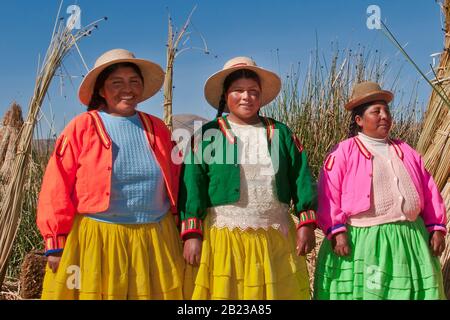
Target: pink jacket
x=346 y=179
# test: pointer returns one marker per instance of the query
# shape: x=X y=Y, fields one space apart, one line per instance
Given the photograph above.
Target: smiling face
x=122 y=91
x=243 y=98
x=376 y=121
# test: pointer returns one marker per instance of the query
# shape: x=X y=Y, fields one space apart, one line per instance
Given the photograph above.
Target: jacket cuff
x=307 y=217
x=437 y=227
x=191 y=225
x=335 y=229
x=55 y=244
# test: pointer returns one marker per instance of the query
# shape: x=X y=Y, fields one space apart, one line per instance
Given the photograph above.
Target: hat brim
x=382 y=95
x=270 y=85
x=152 y=73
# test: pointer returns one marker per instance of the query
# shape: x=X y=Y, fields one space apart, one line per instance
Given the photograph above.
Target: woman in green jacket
x=240 y=176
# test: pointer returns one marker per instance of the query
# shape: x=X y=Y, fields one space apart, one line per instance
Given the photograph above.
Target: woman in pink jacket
x=382 y=214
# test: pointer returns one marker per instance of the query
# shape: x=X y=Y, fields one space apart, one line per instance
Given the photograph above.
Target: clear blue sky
x=231 y=28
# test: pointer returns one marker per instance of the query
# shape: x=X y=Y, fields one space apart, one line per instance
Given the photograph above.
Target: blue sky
x=231 y=28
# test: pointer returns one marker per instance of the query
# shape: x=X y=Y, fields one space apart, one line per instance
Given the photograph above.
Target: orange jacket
x=78 y=175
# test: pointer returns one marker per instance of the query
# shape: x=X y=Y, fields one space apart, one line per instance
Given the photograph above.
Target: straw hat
x=270 y=82
x=365 y=92
x=152 y=73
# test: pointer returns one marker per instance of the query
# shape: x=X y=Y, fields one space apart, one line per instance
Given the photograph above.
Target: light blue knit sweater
x=138 y=192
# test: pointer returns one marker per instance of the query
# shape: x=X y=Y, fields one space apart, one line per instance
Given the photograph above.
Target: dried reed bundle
x=445 y=258
x=437 y=109
x=10 y=212
x=434 y=141
x=437 y=157
x=9 y=133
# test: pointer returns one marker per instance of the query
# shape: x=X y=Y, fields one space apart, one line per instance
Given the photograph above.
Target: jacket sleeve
x=193 y=192
x=332 y=219
x=303 y=190
x=56 y=210
x=433 y=213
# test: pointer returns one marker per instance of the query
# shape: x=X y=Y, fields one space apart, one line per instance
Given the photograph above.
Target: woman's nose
x=245 y=94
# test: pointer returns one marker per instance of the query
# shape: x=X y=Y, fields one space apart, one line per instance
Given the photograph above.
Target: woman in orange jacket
x=109 y=194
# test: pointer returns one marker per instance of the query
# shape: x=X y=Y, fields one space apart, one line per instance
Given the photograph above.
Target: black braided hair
x=222 y=105
x=353 y=128
x=97 y=100
x=236 y=75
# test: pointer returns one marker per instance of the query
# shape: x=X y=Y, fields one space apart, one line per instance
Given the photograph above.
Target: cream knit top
x=394 y=196
x=258 y=206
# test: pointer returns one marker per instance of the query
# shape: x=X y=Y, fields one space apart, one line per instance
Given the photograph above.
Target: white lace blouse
x=258 y=206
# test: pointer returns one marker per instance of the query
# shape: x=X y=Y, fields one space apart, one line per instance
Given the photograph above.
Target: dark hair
x=97 y=100
x=353 y=128
x=236 y=75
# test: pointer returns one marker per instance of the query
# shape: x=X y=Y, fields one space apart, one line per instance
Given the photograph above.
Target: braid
x=222 y=105
x=353 y=128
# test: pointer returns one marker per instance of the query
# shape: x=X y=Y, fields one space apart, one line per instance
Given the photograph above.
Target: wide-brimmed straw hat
x=153 y=74
x=270 y=82
x=365 y=92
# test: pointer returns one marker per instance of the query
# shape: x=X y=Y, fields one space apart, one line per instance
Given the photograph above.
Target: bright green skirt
x=388 y=261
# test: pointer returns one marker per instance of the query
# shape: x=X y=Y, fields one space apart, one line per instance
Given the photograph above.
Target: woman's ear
x=359 y=121
x=101 y=93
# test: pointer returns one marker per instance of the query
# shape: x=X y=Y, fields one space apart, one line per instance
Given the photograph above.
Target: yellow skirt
x=248 y=265
x=117 y=261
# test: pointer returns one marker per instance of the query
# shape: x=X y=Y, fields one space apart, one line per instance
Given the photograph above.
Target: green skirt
x=388 y=261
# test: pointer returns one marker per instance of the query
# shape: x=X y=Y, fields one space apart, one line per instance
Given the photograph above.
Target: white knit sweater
x=394 y=196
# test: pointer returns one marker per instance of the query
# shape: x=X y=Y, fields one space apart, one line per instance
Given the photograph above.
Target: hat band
x=240 y=64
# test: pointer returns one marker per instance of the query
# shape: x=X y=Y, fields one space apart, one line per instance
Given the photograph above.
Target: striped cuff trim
x=436 y=227
x=307 y=217
x=55 y=243
x=49 y=252
x=335 y=229
x=191 y=225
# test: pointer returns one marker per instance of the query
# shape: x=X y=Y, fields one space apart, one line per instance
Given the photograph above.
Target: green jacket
x=211 y=175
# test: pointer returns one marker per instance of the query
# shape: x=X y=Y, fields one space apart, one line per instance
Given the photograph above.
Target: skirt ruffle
x=248 y=265
x=116 y=261
x=388 y=261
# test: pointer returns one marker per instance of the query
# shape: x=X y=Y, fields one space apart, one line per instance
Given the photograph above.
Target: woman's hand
x=306 y=239
x=340 y=244
x=437 y=243
x=53 y=260
x=193 y=250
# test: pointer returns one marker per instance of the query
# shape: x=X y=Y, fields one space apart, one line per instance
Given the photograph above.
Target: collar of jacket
x=226 y=130
x=104 y=136
x=366 y=153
